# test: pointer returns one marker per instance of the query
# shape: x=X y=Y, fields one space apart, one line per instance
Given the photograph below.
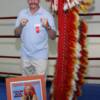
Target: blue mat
x=89 y=91
x=2 y=89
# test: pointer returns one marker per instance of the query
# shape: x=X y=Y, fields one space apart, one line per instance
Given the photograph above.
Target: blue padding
x=3 y=92
x=89 y=91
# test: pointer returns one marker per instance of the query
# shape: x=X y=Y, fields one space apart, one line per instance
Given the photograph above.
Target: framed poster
x=26 y=88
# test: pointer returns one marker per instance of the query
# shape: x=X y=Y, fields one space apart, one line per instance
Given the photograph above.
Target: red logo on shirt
x=37 y=28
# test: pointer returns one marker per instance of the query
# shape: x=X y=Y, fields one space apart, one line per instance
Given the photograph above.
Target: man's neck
x=34 y=10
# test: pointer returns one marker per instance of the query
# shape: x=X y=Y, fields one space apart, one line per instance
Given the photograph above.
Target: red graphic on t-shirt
x=37 y=28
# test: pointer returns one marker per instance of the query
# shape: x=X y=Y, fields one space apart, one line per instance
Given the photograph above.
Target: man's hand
x=23 y=21
x=45 y=23
x=18 y=30
x=51 y=32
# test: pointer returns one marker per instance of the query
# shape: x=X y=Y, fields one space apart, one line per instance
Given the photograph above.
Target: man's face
x=33 y=3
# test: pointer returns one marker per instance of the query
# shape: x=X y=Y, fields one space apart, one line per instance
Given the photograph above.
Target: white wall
x=10 y=46
x=94 y=43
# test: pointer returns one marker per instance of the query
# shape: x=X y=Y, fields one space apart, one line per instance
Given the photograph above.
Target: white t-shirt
x=34 y=37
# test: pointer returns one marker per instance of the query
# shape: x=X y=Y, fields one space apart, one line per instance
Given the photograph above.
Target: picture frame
x=18 y=87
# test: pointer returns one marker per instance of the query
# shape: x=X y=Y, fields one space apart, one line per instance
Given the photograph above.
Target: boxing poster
x=26 y=88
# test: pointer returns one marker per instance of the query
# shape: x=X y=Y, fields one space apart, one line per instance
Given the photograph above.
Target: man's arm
x=51 y=32
x=18 y=30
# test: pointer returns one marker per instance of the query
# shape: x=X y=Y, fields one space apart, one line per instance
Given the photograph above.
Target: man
x=34 y=25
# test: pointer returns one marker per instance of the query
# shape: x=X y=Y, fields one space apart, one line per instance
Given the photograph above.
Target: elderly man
x=34 y=25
